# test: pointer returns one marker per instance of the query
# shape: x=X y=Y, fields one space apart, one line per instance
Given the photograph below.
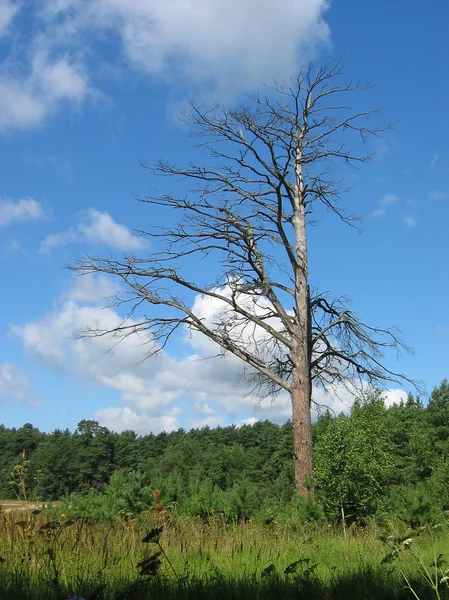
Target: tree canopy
x=371 y=460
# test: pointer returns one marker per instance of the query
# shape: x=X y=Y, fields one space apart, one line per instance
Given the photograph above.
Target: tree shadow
x=367 y=584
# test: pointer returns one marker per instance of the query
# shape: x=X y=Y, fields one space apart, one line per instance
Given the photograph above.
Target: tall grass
x=52 y=557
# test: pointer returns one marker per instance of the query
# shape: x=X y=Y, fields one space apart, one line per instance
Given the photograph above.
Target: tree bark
x=301 y=376
x=302 y=427
x=301 y=386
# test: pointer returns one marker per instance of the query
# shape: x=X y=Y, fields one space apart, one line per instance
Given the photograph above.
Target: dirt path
x=12 y=505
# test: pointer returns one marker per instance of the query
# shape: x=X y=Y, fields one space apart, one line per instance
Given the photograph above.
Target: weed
x=51 y=556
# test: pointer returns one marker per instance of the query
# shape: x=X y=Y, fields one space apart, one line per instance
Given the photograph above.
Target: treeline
x=374 y=462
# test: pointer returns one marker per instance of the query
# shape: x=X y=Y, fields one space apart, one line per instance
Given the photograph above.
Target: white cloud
x=204 y=409
x=97 y=228
x=227 y=40
x=19 y=108
x=164 y=392
x=15 y=385
x=388 y=199
x=384 y=204
x=340 y=400
x=394 y=396
x=343 y=397
x=250 y=421
x=7 y=12
x=26 y=209
x=89 y=289
x=125 y=418
x=14 y=247
x=54 y=240
x=59 y=79
x=212 y=311
x=101 y=227
x=223 y=46
x=435 y=158
x=438 y=195
x=156 y=392
x=27 y=100
x=410 y=221
x=442 y=329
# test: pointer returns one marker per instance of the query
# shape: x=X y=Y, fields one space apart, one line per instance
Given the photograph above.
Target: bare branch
x=265 y=167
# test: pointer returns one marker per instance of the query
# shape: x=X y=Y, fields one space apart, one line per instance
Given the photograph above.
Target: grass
x=49 y=557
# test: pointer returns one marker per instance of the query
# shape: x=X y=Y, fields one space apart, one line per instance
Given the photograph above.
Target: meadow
x=47 y=555
x=213 y=513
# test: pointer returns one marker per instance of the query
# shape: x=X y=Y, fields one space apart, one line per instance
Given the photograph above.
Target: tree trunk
x=302 y=422
x=301 y=375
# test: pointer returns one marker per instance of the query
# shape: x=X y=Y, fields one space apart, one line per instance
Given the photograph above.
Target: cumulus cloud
x=394 y=396
x=162 y=393
x=157 y=393
x=95 y=227
x=220 y=45
x=388 y=199
x=59 y=239
x=26 y=209
x=125 y=418
x=214 y=311
x=14 y=385
x=410 y=221
x=90 y=290
x=101 y=227
x=384 y=203
x=60 y=79
x=438 y=195
x=387 y=205
x=7 y=12
x=27 y=100
x=342 y=398
x=250 y=421
x=227 y=40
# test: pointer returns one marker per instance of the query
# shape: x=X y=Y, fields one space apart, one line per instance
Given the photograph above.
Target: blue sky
x=90 y=87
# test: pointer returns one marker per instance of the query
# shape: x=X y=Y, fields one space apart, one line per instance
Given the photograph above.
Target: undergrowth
x=46 y=556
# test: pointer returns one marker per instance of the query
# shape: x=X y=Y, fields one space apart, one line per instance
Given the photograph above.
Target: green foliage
x=187 y=559
x=242 y=500
x=413 y=505
x=353 y=460
x=126 y=495
x=438 y=418
x=17 y=448
x=439 y=484
x=302 y=511
x=373 y=456
x=438 y=410
x=204 y=499
x=412 y=440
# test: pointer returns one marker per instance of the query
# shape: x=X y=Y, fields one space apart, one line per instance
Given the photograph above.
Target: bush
x=353 y=460
x=126 y=494
x=411 y=505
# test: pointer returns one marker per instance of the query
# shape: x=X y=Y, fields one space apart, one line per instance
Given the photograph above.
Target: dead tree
x=266 y=166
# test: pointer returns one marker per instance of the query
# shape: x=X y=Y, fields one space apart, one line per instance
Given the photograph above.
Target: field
x=52 y=557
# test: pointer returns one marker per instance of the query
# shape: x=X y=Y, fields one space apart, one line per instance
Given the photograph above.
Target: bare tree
x=267 y=165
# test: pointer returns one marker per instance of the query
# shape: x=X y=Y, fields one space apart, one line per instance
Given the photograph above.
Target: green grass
x=44 y=557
